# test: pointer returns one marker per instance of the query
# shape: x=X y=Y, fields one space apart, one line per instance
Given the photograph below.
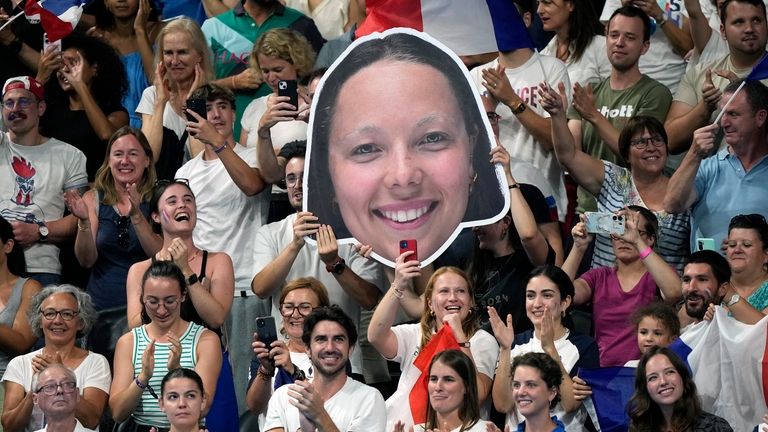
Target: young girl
x=656 y=324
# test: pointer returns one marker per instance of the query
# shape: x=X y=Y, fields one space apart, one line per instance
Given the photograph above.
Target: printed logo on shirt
x=21 y=206
x=528 y=95
x=622 y=111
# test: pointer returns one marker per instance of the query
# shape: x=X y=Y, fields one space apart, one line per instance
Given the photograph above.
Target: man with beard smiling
x=38 y=172
x=332 y=401
x=601 y=110
x=705 y=278
x=57 y=396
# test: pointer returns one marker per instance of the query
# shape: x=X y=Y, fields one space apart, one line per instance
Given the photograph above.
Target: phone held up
x=289 y=88
x=266 y=330
x=409 y=245
x=604 y=223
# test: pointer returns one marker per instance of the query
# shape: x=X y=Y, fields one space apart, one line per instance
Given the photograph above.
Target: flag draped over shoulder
x=419 y=398
x=57 y=17
x=728 y=362
x=760 y=71
x=467 y=27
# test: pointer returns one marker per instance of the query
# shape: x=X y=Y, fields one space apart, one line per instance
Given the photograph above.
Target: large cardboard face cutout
x=399 y=148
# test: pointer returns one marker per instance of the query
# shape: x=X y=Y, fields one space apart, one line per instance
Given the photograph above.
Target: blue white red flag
x=58 y=17
x=467 y=27
x=730 y=367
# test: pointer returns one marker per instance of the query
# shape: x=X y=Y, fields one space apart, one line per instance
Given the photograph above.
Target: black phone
x=266 y=330
x=197 y=105
x=289 y=88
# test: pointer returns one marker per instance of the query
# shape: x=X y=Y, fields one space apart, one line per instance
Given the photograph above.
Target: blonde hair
x=197 y=41
x=288 y=45
x=471 y=323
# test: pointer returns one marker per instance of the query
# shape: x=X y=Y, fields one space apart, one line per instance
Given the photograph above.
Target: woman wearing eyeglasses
x=642 y=145
x=112 y=229
x=747 y=254
x=210 y=281
x=145 y=354
x=60 y=314
x=285 y=361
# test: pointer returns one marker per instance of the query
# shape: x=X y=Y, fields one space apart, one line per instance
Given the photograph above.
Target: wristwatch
x=43 y=230
x=519 y=108
x=336 y=267
x=734 y=299
x=298 y=374
x=466 y=344
x=192 y=279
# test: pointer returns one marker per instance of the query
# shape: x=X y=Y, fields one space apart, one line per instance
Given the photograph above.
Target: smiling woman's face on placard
x=400 y=157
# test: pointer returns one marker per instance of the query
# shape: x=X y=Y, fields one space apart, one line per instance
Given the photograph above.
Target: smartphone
x=197 y=105
x=266 y=330
x=409 y=245
x=705 y=244
x=604 y=223
x=47 y=43
x=289 y=88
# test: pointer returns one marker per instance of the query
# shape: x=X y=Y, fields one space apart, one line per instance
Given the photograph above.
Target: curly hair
x=548 y=368
x=469 y=411
x=86 y=313
x=471 y=323
x=105 y=181
x=645 y=414
x=288 y=45
x=108 y=84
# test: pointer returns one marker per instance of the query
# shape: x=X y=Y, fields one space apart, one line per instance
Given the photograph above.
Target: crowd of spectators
x=145 y=243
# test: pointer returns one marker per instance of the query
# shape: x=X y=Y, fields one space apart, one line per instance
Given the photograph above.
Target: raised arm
x=533 y=240
x=681 y=193
x=380 y=333
x=278 y=110
x=363 y=292
x=497 y=84
x=502 y=383
x=663 y=274
x=273 y=275
x=581 y=241
x=699 y=25
x=83 y=208
x=679 y=37
x=152 y=124
x=683 y=119
x=588 y=172
x=125 y=394
x=246 y=178
x=208 y=362
x=584 y=103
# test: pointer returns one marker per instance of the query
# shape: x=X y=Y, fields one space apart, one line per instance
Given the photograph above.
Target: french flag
x=729 y=362
x=467 y=27
x=58 y=17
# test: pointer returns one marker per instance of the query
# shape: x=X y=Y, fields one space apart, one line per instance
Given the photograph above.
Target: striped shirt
x=618 y=190
x=148 y=411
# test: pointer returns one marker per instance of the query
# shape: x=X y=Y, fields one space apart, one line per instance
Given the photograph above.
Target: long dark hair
x=583 y=26
x=646 y=415
x=15 y=261
x=485 y=200
x=469 y=411
x=161 y=269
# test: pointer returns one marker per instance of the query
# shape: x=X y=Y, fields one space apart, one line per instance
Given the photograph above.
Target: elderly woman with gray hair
x=60 y=314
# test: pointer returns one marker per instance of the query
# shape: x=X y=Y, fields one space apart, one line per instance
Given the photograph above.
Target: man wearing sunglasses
x=38 y=171
x=56 y=395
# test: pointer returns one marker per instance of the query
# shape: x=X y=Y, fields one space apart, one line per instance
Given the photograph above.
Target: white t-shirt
x=171 y=120
x=660 y=62
x=329 y=16
x=281 y=133
x=485 y=352
x=78 y=428
x=477 y=427
x=592 y=67
x=92 y=372
x=227 y=218
x=354 y=408
x=514 y=137
x=32 y=190
x=272 y=239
